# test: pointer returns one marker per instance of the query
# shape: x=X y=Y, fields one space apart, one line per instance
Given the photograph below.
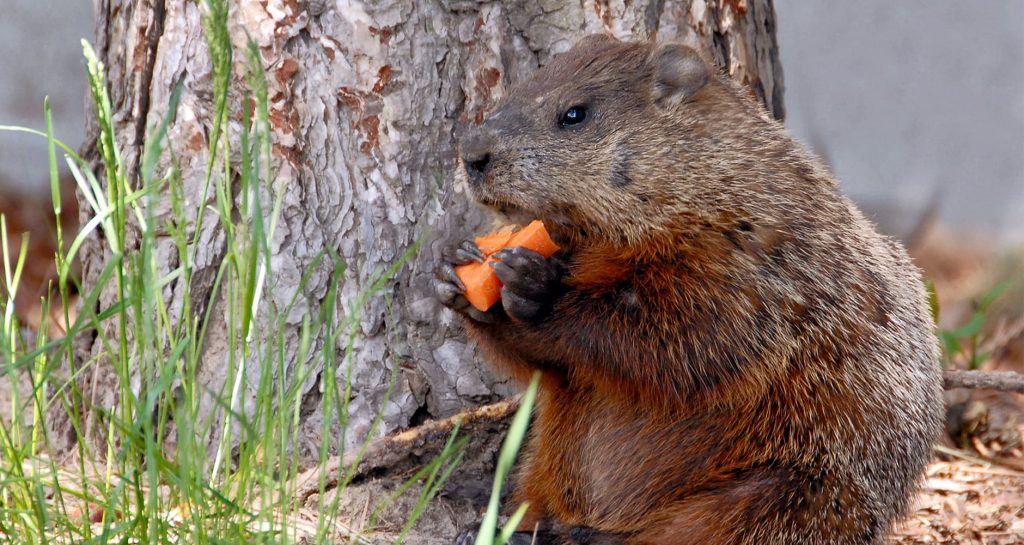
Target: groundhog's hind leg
x=768 y=507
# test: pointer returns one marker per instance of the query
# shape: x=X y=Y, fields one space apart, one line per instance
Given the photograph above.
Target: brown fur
x=737 y=356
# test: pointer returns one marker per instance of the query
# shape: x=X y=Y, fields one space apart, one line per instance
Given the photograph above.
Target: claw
x=468 y=252
x=507 y=253
x=521 y=257
x=504 y=271
x=447 y=273
x=446 y=292
x=468 y=535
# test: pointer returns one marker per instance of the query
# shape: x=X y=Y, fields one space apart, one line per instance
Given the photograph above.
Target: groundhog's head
x=602 y=142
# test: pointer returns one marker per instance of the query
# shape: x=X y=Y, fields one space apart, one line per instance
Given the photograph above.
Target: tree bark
x=366 y=99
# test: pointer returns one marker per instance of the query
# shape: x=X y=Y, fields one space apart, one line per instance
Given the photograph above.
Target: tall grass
x=145 y=471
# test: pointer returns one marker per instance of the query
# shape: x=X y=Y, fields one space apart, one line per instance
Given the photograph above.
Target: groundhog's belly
x=617 y=466
x=631 y=466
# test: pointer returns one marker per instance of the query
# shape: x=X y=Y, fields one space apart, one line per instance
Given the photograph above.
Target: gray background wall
x=40 y=54
x=907 y=100
x=912 y=98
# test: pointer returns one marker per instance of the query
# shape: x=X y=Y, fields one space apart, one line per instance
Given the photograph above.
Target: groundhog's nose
x=476 y=156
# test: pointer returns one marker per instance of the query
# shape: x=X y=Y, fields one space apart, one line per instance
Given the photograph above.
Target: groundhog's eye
x=573 y=117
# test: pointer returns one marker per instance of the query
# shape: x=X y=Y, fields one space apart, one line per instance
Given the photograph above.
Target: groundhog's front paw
x=530 y=283
x=449 y=288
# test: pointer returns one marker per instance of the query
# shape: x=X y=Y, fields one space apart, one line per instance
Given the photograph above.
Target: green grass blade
x=509 y=448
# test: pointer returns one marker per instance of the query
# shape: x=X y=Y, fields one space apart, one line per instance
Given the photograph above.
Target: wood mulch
x=964 y=502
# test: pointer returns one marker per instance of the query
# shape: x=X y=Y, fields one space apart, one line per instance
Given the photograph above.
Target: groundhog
x=731 y=353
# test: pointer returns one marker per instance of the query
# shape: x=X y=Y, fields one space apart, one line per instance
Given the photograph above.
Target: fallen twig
x=1009 y=381
x=1002 y=465
x=399 y=448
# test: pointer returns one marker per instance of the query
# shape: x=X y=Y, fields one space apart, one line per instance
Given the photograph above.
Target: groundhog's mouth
x=511 y=212
x=517 y=215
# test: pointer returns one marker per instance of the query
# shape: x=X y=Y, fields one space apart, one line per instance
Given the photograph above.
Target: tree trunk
x=365 y=99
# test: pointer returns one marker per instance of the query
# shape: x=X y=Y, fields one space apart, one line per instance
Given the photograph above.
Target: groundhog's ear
x=679 y=72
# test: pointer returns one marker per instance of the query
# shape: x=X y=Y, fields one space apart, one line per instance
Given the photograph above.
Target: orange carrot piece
x=483 y=287
x=492 y=242
x=534 y=237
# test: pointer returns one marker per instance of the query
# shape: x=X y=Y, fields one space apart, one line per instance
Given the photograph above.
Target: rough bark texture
x=367 y=98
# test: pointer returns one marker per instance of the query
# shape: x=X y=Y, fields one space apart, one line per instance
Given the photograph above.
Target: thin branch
x=988 y=380
x=408 y=447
